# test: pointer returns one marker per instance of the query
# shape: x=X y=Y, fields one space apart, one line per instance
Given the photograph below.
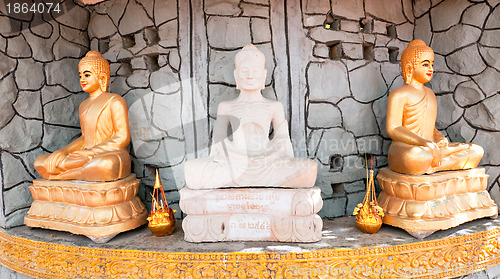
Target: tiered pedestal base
x=252 y=214
x=423 y=204
x=98 y=210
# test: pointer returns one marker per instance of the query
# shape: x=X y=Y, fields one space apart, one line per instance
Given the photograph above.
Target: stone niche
x=173 y=62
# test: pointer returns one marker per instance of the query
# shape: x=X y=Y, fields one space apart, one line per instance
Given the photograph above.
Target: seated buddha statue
x=251 y=158
x=100 y=153
x=417 y=146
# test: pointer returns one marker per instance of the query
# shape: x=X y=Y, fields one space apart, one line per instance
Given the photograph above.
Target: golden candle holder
x=161 y=220
x=369 y=214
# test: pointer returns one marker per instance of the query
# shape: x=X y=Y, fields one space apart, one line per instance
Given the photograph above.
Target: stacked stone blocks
x=251 y=214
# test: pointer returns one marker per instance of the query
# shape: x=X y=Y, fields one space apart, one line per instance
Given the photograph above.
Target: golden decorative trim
x=443 y=258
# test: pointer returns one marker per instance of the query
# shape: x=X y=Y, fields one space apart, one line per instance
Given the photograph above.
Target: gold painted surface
x=161 y=220
x=417 y=146
x=434 y=202
x=368 y=213
x=66 y=199
x=444 y=258
x=412 y=225
x=91 y=231
x=100 y=153
x=83 y=193
x=93 y=209
x=84 y=215
x=433 y=186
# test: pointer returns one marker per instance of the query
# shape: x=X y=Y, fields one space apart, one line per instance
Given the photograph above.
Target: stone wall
x=173 y=62
x=41 y=91
x=140 y=39
x=231 y=25
x=40 y=94
x=354 y=65
x=465 y=36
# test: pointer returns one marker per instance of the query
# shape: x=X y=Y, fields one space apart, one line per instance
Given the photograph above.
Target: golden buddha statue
x=88 y=187
x=417 y=146
x=99 y=154
x=431 y=184
x=250 y=158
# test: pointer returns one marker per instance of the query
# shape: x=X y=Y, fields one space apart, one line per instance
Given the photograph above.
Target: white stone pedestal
x=251 y=227
x=251 y=214
x=277 y=201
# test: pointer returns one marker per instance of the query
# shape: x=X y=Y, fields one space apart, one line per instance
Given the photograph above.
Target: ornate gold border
x=443 y=258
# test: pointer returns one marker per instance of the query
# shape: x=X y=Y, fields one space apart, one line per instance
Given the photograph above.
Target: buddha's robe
x=251 y=158
x=416 y=160
x=105 y=131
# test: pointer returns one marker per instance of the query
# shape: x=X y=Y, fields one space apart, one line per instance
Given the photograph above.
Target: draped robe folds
x=251 y=159
x=416 y=160
x=106 y=133
x=414 y=115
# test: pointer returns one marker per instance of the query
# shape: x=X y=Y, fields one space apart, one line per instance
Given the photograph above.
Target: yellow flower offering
x=369 y=214
x=161 y=218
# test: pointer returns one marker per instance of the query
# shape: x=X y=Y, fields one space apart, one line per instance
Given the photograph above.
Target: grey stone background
x=354 y=65
x=464 y=35
x=173 y=63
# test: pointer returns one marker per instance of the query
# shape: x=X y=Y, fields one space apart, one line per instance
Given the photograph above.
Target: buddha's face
x=424 y=68
x=88 y=79
x=251 y=75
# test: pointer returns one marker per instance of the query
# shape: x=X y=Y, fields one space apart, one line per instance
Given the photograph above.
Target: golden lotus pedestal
x=423 y=204
x=98 y=210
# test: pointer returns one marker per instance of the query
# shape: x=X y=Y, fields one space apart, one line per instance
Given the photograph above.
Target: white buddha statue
x=251 y=158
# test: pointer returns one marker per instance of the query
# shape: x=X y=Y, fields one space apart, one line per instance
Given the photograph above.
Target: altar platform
x=344 y=252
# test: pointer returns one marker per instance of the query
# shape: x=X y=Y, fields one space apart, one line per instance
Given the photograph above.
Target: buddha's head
x=417 y=62
x=94 y=72
x=250 y=73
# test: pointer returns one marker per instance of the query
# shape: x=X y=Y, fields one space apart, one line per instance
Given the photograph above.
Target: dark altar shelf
x=344 y=252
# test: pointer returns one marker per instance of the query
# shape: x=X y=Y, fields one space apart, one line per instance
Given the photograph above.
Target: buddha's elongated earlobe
x=408 y=73
x=103 y=83
x=408 y=78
